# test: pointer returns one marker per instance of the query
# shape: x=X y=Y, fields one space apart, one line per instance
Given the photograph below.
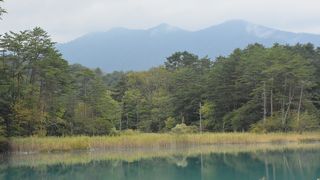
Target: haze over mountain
x=128 y=49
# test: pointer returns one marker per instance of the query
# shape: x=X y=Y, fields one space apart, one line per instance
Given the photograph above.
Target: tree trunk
x=120 y=127
x=85 y=99
x=271 y=99
x=283 y=100
x=137 y=115
x=200 y=117
x=271 y=102
x=182 y=118
x=264 y=103
x=127 y=121
x=288 y=108
x=299 y=107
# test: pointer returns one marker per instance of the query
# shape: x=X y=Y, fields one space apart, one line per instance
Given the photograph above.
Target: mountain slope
x=125 y=49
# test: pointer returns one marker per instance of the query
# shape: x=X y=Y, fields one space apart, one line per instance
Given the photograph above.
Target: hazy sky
x=68 y=19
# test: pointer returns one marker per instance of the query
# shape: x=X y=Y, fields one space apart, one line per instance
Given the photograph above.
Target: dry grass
x=151 y=140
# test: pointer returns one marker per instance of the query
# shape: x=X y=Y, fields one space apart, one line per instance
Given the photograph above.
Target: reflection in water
x=266 y=165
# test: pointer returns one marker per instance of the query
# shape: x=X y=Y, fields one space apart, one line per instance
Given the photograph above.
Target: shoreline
x=34 y=144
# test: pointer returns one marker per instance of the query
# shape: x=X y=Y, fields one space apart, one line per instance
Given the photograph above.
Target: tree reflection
x=287 y=164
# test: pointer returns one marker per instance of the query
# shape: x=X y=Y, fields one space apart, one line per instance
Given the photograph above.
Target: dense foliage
x=257 y=88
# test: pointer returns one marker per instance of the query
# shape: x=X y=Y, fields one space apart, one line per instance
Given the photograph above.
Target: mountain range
x=133 y=49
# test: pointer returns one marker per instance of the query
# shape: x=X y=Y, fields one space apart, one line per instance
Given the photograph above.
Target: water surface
x=230 y=162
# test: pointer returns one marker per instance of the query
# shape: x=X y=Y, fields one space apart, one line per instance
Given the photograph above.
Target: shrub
x=306 y=122
x=99 y=126
x=4 y=144
x=129 y=132
x=2 y=127
x=272 y=124
x=170 y=122
x=184 y=129
x=114 y=132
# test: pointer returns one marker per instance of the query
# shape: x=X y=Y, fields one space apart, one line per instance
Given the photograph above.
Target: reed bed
x=150 y=140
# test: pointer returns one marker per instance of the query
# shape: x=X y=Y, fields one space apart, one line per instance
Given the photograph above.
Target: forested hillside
x=253 y=89
x=141 y=49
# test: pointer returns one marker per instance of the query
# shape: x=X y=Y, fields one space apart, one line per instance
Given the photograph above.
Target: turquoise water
x=281 y=165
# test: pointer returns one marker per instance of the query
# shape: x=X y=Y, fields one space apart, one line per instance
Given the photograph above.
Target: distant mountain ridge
x=127 y=49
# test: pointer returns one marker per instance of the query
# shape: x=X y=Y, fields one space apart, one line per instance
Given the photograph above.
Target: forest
x=251 y=113
x=257 y=89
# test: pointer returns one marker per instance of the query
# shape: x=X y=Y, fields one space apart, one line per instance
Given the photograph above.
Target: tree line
x=257 y=88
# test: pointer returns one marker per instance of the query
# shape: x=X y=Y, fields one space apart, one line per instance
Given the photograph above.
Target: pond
x=211 y=162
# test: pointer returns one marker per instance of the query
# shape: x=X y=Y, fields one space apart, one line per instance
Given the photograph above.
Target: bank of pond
x=136 y=140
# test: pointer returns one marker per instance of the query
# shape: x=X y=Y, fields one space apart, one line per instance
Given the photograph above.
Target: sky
x=68 y=19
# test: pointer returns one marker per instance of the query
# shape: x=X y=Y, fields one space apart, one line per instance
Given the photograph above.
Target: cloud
x=68 y=19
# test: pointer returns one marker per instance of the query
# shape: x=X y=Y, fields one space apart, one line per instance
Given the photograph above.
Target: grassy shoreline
x=151 y=140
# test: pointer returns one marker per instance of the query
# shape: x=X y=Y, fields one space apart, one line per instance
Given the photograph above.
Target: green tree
x=26 y=50
x=187 y=85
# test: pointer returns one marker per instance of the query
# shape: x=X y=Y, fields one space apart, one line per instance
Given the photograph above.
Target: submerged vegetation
x=153 y=141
